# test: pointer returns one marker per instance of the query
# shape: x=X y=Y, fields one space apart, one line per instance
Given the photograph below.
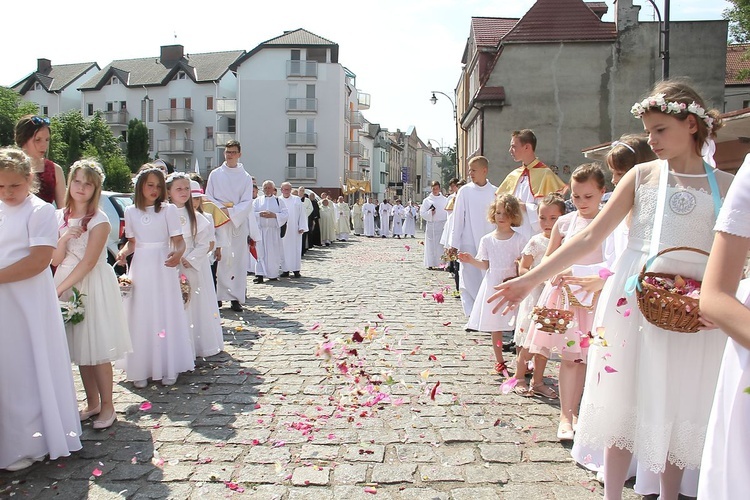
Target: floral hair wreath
x=149 y=170
x=671 y=107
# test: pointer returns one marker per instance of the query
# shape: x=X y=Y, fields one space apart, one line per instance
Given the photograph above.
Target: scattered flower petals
x=315 y=326
x=626 y=313
x=622 y=301
x=371 y=490
x=407 y=247
x=447 y=323
x=585 y=342
x=380 y=315
x=357 y=337
x=432 y=357
x=609 y=369
x=162 y=333
x=145 y=406
x=234 y=486
x=96 y=472
x=605 y=273
x=508 y=385
x=433 y=392
x=438 y=297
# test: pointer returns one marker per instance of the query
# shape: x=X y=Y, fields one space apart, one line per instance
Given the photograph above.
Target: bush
x=118 y=174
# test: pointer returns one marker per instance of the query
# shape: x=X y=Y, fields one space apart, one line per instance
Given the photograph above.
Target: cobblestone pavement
x=399 y=402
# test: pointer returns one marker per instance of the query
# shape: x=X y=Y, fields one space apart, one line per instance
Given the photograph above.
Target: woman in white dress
x=648 y=390
x=726 y=456
x=81 y=259
x=38 y=413
x=162 y=348
x=202 y=309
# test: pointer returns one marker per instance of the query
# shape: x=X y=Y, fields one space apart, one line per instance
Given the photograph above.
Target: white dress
x=397 y=212
x=162 y=347
x=202 y=309
x=536 y=248
x=501 y=255
x=410 y=223
x=726 y=456
x=38 y=407
x=103 y=335
x=649 y=390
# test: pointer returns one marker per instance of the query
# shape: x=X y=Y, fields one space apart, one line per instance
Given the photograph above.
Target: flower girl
x=81 y=259
x=162 y=348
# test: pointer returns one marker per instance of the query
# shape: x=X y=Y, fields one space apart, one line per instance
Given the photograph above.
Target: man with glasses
x=231 y=188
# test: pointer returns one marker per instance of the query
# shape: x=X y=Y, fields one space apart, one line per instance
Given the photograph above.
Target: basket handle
x=667 y=250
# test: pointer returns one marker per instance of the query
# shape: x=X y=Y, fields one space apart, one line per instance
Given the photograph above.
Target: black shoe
x=285 y=274
x=509 y=346
x=297 y=274
x=258 y=279
x=273 y=279
x=236 y=306
x=220 y=304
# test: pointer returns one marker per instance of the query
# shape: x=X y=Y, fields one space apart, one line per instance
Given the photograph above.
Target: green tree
x=68 y=133
x=12 y=107
x=448 y=167
x=118 y=174
x=739 y=20
x=137 y=153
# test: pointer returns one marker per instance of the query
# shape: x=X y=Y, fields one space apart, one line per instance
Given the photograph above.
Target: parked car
x=114 y=205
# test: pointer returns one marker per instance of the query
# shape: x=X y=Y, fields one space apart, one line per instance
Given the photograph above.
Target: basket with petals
x=185 y=289
x=553 y=320
x=670 y=301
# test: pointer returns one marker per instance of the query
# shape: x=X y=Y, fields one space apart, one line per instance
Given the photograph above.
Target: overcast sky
x=400 y=50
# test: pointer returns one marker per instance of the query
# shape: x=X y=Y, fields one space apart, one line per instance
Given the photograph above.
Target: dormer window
x=37 y=86
x=179 y=76
x=113 y=81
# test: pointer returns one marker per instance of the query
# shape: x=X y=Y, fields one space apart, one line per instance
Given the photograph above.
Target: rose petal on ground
x=447 y=323
x=433 y=392
x=508 y=385
x=96 y=472
x=315 y=326
x=145 y=406
x=371 y=490
x=432 y=357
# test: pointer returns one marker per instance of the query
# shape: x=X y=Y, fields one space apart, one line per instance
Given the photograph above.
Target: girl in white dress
x=202 y=309
x=38 y=414
x=648 y=390
x=726 y=456
x=587 y=188
x=162 y=348
x=81 y=259
x=497 y=253
x=551 y=208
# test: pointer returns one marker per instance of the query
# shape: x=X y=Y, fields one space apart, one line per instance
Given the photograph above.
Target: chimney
x=171 y=53
x=598 y=8
x=43 y=66
x=626 y=14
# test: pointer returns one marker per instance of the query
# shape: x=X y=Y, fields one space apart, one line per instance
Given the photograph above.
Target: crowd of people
x=661 y=397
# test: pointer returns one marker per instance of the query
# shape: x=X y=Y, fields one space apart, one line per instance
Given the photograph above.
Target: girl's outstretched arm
x=723 y=273
x=467 y=258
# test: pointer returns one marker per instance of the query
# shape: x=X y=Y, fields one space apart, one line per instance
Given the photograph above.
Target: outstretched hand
x=509 y=295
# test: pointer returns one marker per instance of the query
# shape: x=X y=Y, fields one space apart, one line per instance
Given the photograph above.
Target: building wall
x=62 y=102
x=263 y=122
x=570 y=109
x=736 y=97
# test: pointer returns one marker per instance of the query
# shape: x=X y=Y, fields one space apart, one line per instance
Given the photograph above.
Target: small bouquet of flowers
x=72 y=309
x=185 y=289
x=449 y=256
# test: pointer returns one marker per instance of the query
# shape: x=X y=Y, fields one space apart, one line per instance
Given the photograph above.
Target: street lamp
x=434 y=101
x=663 y=31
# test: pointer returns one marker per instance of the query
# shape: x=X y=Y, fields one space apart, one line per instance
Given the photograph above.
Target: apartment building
x=54 y=89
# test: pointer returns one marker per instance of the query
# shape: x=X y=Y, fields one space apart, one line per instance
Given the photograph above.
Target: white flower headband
x=671 y=107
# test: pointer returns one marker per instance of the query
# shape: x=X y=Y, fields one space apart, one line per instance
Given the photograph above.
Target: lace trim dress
x=536 y=248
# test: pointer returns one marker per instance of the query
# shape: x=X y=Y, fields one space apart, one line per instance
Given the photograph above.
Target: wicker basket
x=552 y=320
x=573 y=300
x=126 y=283
x=668 y=310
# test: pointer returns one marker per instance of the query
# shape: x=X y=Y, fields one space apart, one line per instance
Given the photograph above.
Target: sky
x=400 y=50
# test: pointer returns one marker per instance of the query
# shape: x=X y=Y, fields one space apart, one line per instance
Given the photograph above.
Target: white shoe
x=600 y=477
x=168 y=381
x=22 y=464
x=140 y=384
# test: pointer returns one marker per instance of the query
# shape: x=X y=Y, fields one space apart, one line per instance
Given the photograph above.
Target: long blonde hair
x=93 y=173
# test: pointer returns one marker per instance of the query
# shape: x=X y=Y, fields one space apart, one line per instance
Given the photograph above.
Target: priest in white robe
x=470 y=223
x=296 y=226
x=230 y=187
x=385 y=218
x=343 y=215
x=397 y=212
x=368 y=218
x=271 y=214
x=410 y=219
x=327 y=221
x=434 y=213
x=358 y=218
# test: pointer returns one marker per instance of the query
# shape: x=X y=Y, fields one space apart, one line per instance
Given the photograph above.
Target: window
x=150 y=139
x=143 y=109
x=291 y=160
x=45 y=110
x=188 y=161
x=113 y=81
x=384 y=177
x=124 y=136
x=123 y=105
x=37 y=86
x=231 y=125
x=746 y=104
x=209 y=132
x=172 y=103
x=188 y=133
x=150 y=110
x=310 y=160
x=209 y=103
x=317 y=54
x=89 y=109
x=188 y=103
x=110 y=106
x=209 y=163
x=310 y=91
x=292 y=125
x=296 y=53
x=310 y=125
x=179 y=76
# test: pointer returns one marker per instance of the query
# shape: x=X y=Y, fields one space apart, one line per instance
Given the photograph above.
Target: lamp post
x=434 y=100
x=663 y=32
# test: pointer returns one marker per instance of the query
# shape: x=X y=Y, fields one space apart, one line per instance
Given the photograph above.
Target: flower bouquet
x=72 y=309
x=185 y=289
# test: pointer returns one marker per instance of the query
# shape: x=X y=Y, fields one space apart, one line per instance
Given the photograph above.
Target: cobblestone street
x=354 y=381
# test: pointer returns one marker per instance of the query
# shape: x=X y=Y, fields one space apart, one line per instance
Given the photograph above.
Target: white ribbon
x=708 y=151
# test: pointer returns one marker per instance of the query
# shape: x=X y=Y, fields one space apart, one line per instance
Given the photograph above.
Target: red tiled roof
x=737 y=60
x=561 y=20
x=488 y=31
x=490 y=94
x=598 y=8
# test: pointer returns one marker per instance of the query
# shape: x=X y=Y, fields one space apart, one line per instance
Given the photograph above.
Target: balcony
x=357 y=175
x=308 y=69
x=300 y=104
x=221 y=138
x=301 y=173
x=363 y=100
x=209 y=144
x=301 y=139
x=116 y=118
x=226 y=107
x=364 y=162
x=355 y=148
x=175 y=146
x=176 y=115
x=356 y=119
